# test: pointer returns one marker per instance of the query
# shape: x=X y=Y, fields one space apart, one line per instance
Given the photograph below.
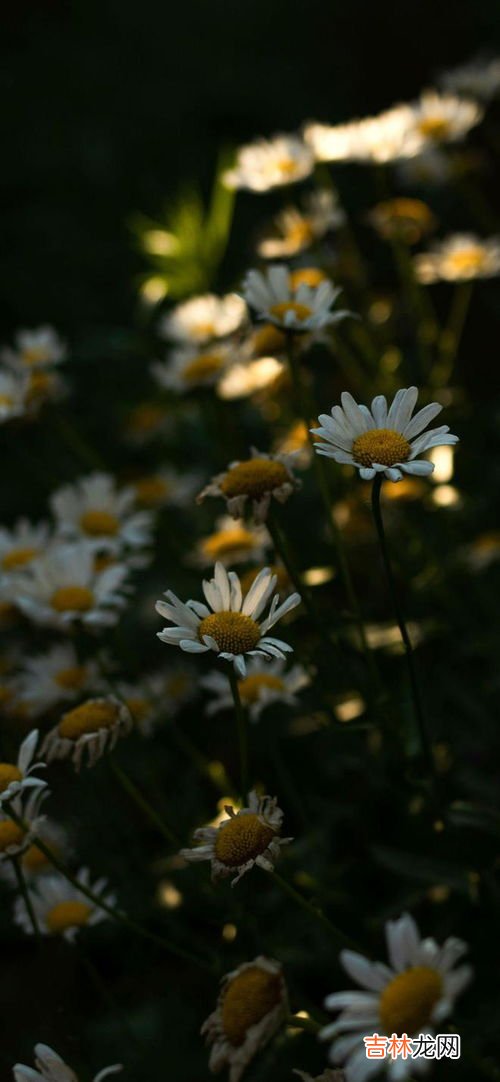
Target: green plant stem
x=409 y=654
x=452 y=333
x=115 y=914
x=24 y=892
x=242 y=730
x=307 y=1024
x=341 y=941
x=134 y=793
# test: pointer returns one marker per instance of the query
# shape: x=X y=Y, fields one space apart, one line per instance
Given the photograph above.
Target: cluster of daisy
x=29 y=374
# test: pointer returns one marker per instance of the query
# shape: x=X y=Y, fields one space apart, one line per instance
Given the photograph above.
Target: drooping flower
x=270 y=163
x=51 y=1068
x=96 y=510
x=411 y=996
x=255 y=480
x=60 y=908
x=88 y=730
x=296 y=229
x=250 y=836
x=265 y=683
x=62 y=587
x=229 y=623
x=378 y=440
x=459 y=258
x=252 y=1005
x=272 y=295
x=201 y=319
x=18 y=777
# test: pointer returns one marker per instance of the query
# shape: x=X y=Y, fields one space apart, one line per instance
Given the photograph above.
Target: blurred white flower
x=60 y=908
x=63 y=587
x=272 y=295
x=459 y=258
x=38 y=348
x=87 y=731
x=296 y=229
x=54 y=677
x=95 y=509
x=13 y=394
x=51 y=1068
x=479 y=79
x=265 y=683
x=186 y=369
x=201 y=319
x=270 y=163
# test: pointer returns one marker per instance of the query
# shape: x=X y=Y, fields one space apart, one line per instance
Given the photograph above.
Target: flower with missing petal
x=252 y=1006
x=296 y=229
x=96 y=510
x=460 y=258
x=39 y=348
x=88 y=730
x=60 y=908
x=54 y=677
x=63 y=587
x=270 y=163
x=412 y=996
x=18 y=777
x=229 y=624
x=276 y=298
x=51 y=1068
x=378 y=440
x=201 y=319
x=265 y=683
x=250 y=836
x=256 y=480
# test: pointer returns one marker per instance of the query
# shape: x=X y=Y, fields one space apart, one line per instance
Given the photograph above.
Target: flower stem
x=242 y=728
x=25 y=894
x=341 y=941
x=409 y=654
x=131 y=789
x=307 y=1024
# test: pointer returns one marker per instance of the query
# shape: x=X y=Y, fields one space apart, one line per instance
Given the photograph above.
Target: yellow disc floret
x=434 y=127
x=10 y=834
x=254 y=478
x=150 y=491
x=99 y=523
x=234 y=632
x=8 y=774
x=281 y=310
x=251 y=686
x=72 y=599
x=381 y=445
x=224 y=543
x=407 y=1003
x=203 y=368
x=248 y=998
x=71 y=678
x=466 y=261
x=87 y=718
x=308 y=276
x=66 y=915
x=241 y=839
x=19 y=557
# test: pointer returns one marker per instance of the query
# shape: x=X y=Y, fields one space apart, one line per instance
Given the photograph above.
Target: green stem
x=452 y=333
x=242 y=729
x=115 y=914
x=25 y=894
x=307 y=1024
x=134 y=793
x=409 y=654
x=341 y=941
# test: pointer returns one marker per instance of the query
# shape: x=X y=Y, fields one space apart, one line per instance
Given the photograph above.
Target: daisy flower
x=270 y=163
x=201 y=319
x=252 y=1005
x=21 y=545
x=51 y=1068
x=459 y=258
x=187 y=368
x=54 y=677
x=14 y=837
x=18 y=777
x=165 y=488
x=402 y=219
x=380 y=441
x=412 y=995
x=256 y=479
x=63 y=587
x=13 y=391
x=229 y=623
x=89 y=729
x=251 y=377
x=231 y=543
x=388 y=137
x=296 y=229
x=60 y=908
x=34 y=862
x=478 y=79
x=96 y=510
x=250 y=836
x=266 y=682
x=306 y=308
x=38 y=348
x=444 y=118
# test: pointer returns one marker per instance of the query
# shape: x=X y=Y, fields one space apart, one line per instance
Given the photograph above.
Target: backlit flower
x=270 y=163
x=444 y=118
x=231 y=543
x=51 y=1068
x=390 y=136
x=60 y=908
x=201 y=319
x=252 y=1005
x=87 y=731
x=96 y=510
x=296 y=229
x=460 y=258
x=272 y=295
x=412 y=995
x=248 y=837
x=244 y=379
x=229 y=624
x=478 y=79
x=187 y=369
x=63 y=587
x=39 y=348
x=18 y=777
x=265 y=683
x=54 y=677
x=256 y=480
x=378 y=440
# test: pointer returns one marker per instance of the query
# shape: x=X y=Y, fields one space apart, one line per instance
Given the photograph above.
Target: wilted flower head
x=378 y=440
x=248 y=837
x=51 y=1068
x=459 y=258
x=88 y=729
x=255 y=480
x=204 y=318
x=270 y=163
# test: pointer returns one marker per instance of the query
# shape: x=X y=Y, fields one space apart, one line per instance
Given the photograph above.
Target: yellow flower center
x=234 y=632
x=267 y=341
x=139 y=708
x=203 y=367
x=65 y=915
x=71 y=678
x=254 y=478
x=407 y=1003
x=72 y=599
x=242 y=838
x=248 y=998
x=10 y=834
x=300 y=234
x=205 y=330
x=35 y=355
x=306 y=276
x=8 y=773
x=286 y=166
x=6 y=400
x=300 y=311
x=150 y=491
x=226 y=542
x=18 y=557
x=98 y=523
x=34 y=860
x=434 y=127
x=381 y=445
x=467 y=260
x=87 y=718
x=251 y=686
